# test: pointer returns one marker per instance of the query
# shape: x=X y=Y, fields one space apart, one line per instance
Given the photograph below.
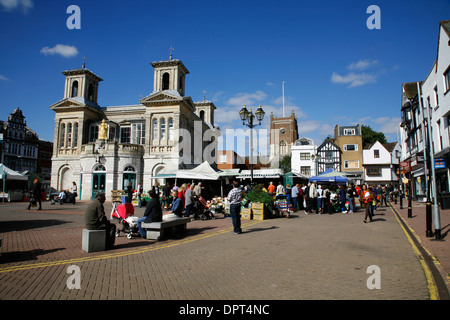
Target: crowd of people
x=328 y=198
x=308 y=197
x=178 y=199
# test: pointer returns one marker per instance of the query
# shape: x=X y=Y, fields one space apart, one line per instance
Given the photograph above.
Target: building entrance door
x=98 y=180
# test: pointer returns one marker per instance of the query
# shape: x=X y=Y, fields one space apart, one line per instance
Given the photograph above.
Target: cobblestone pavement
x=306 y=257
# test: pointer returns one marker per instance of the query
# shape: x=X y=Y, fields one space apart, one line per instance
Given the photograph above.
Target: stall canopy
x=330 y=176
x=202 y=172
x=9 y=174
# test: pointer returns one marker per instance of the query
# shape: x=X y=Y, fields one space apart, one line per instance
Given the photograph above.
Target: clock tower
x=283 y=134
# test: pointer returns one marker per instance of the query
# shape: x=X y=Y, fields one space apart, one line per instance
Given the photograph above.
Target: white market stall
x=13 y=184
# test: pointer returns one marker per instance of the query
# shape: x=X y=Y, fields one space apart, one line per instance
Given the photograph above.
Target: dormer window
x=349 y=132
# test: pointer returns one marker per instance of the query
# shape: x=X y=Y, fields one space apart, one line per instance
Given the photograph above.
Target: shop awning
x=261 y=173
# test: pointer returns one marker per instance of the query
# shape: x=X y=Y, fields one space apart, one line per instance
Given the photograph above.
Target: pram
x=200 y=210
x=124 y=213
x=283 y=205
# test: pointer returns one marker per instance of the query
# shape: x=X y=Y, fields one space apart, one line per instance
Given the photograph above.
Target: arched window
x=69 y=135
x=74 y=89
x=202 y=115
x=91 y=92
x=99 y=168
x=170 y=125
x=62 y=133
x=165 y=81
x=283 y=148
x=155 y=129
x=180 y=85
x=75 y=134
x=162 y=128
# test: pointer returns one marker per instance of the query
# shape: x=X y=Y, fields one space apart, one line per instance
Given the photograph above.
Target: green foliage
x=369 y=136
x=285 y=163
x=257 y=195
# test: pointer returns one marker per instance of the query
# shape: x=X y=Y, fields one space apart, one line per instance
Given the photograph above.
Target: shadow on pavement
x=19 y=256
x=21 y=225
x=259 y=229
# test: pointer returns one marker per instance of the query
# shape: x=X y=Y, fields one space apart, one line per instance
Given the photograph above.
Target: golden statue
x=103 y=131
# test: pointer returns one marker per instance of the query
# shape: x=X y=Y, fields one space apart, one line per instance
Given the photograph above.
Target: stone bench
x=171 y=225
x=94 y=240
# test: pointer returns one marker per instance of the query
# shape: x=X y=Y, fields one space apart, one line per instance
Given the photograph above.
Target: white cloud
x=227 y=115
x=10 y=5
x=61 y=49
x=248 y=99
x=354 y=79
x=362 y=65
x=388 y=125
x=3 y=78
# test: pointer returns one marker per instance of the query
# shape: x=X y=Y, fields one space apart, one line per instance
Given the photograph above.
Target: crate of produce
x=246 y=214
x=257 y=206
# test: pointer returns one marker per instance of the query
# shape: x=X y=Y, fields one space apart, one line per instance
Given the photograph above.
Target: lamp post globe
x=260 y=114
x=243 y=113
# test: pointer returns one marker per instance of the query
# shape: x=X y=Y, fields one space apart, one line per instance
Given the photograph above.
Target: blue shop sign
x=439 y=163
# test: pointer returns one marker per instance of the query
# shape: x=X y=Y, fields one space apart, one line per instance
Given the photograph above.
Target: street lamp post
x=426 y=150
x=436 y=212
x=247 y=115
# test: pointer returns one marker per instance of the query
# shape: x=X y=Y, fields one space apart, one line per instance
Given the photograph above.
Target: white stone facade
x=165 y=131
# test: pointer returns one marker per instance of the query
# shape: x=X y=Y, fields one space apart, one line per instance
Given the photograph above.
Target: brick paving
x=306 y=257
x=439 y=250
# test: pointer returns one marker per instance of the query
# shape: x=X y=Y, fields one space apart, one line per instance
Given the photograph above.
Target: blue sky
x=337 y=71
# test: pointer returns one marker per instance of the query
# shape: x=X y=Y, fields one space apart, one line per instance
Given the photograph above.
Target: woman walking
x=367 y=197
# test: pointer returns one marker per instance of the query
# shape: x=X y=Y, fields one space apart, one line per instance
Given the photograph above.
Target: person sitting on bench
x=177 y=205
x=153 y=212
x=62 y=195
x=95 y=219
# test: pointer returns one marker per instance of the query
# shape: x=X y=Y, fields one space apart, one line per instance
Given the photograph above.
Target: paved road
x=307 y=257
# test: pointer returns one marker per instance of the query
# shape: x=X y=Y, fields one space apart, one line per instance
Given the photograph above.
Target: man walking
x=37 y=190
x=235 y=197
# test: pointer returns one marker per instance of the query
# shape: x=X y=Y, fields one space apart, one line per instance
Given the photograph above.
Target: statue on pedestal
x=103 y=131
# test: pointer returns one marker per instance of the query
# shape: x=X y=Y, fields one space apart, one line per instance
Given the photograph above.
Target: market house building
x=105 y=148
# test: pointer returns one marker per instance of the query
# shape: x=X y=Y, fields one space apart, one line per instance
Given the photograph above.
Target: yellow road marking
x=119 y=254
x=431 y=286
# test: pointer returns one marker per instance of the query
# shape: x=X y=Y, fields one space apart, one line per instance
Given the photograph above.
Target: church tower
x=283 y=134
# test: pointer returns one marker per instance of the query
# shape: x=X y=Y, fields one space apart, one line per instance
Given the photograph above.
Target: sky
x=337 y=70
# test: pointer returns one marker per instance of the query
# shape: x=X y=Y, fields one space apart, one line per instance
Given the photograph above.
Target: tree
x=370 y=136
x=285 y=163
